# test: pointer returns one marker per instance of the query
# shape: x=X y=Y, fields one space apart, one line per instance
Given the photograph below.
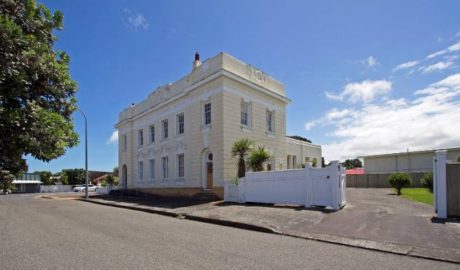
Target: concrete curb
x=349 y=242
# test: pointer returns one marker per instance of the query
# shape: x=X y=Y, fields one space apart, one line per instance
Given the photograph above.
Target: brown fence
x=453 y=189
x=378 y=180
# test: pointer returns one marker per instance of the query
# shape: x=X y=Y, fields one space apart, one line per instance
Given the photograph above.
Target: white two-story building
x=178 y=141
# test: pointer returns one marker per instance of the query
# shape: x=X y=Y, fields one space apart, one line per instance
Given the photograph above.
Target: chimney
x=197 y=62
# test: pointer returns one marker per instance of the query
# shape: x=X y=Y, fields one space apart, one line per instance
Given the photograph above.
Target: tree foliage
x=240 y=149
x=427 y=181
x=6 y=181
x=37 y=94
x=110 y=180
x=46 y=177
x=73 y=176
x=352 y=163
x=399 y=181
x=300 y=138
x=257 y=159
x=115 y=171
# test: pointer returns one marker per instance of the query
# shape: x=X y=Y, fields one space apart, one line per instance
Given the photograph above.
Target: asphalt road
x=67 y=234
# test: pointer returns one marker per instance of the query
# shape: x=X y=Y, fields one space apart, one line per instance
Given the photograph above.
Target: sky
x=364 y=77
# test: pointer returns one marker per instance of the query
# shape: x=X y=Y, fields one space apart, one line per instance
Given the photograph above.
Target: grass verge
x=422 y=195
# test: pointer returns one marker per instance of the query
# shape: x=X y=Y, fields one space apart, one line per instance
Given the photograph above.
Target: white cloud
x=405 y=65
x=453 y=48
x=436 y=67
x=135 y=21
x=113 y=138
x=427 y=121
x=371 y=61
x=365 y=91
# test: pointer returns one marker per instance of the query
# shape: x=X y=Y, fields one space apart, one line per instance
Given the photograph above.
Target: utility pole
x=86 y=153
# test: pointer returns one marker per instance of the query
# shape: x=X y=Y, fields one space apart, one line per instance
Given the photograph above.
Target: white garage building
x=417 y=161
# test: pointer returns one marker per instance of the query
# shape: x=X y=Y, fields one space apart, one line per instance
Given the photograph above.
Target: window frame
x=270 y=121
x=179 y=167
x=140 y=138
x=140 y=170
x=205 y=113
x=152 y=168
x=165 y=167
x=165 y=132
x=178 y=124
x=152 y=134
x=247 y=105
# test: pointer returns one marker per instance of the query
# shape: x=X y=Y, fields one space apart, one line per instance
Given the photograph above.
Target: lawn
x=422 y=195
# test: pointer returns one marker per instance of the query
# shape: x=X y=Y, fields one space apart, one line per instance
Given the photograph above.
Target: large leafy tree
x=37 y=94
x=352 y=163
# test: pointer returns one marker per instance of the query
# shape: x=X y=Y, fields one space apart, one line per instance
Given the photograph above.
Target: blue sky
x=338 y=60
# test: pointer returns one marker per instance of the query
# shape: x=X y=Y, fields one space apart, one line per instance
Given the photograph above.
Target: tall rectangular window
x=244 y=113
x=207 y=113
x=124 y=143
x=140 y=137
x=294 y=162
x=140 y=170
x=270 y=121
x=152 y=134
x=165 y=166
x=180 y=124
x=288 y=163
x=180 y=165
x=152 y=169
x=164 y=124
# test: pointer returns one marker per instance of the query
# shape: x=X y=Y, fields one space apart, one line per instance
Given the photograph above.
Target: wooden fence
x=378 y=180
x=453 y=189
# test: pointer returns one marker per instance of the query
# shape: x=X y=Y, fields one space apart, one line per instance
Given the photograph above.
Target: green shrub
x=427 y=181
x=399 y=181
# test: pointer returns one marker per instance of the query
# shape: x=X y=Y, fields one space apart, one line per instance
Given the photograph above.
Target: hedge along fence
x=379 y=180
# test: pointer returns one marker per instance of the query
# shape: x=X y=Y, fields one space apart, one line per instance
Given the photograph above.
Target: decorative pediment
x=164 y=151
x=180 y=147
x=140 y=156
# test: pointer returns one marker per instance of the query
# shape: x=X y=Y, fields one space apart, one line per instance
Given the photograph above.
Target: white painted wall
x=308 y=187
x=55 y=188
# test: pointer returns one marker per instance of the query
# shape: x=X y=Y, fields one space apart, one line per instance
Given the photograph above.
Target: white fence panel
x=309 y=187
x=55 y=188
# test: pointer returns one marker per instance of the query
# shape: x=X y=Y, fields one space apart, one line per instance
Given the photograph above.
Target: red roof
x=355 y=171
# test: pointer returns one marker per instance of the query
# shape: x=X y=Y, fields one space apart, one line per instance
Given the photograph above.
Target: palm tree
x=241 y=149
x=257 y=158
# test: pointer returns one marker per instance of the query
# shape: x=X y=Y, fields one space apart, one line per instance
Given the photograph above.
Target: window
x=245 y=113
x=288 y=163
x=164 y=124
x=270 y=121
x=294 y=162
x=180 y=165
x=269 y=166
x=165 y=166
x=207 y=113
x=124 y=143
x=140 y=172
x=152 y=169
x=140 y=137
x=180 y=124
x=152 y=134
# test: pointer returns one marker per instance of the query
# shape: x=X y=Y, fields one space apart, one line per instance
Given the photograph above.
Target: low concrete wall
x=379 y=180
x=55 y=188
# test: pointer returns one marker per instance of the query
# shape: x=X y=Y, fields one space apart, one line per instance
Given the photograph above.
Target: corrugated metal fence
x=378 y=180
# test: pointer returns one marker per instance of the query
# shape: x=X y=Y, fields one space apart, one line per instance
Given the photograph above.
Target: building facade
x=410 y=162
x=178 y=141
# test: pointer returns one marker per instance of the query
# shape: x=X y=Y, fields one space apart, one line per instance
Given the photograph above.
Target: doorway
x=209 y=171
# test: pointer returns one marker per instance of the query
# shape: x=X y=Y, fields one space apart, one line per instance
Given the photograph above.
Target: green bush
x=399 y=181
x=427 y=181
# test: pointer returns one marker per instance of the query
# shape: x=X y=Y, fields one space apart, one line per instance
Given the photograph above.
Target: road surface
x=41 y=233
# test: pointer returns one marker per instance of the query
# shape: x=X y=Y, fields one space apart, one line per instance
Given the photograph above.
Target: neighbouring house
x=27 y=183
x=178 y=141
x=355 y=171
x=410 y=162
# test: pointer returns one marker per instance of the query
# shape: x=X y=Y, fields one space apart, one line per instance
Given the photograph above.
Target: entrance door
x=209 y=175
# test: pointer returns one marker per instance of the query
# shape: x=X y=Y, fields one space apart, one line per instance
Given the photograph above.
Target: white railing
x=308 y=187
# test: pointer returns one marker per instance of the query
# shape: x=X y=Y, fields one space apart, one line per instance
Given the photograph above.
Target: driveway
x=372 y=217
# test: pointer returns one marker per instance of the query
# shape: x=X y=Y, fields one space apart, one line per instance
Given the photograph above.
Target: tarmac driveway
x=372 y=218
